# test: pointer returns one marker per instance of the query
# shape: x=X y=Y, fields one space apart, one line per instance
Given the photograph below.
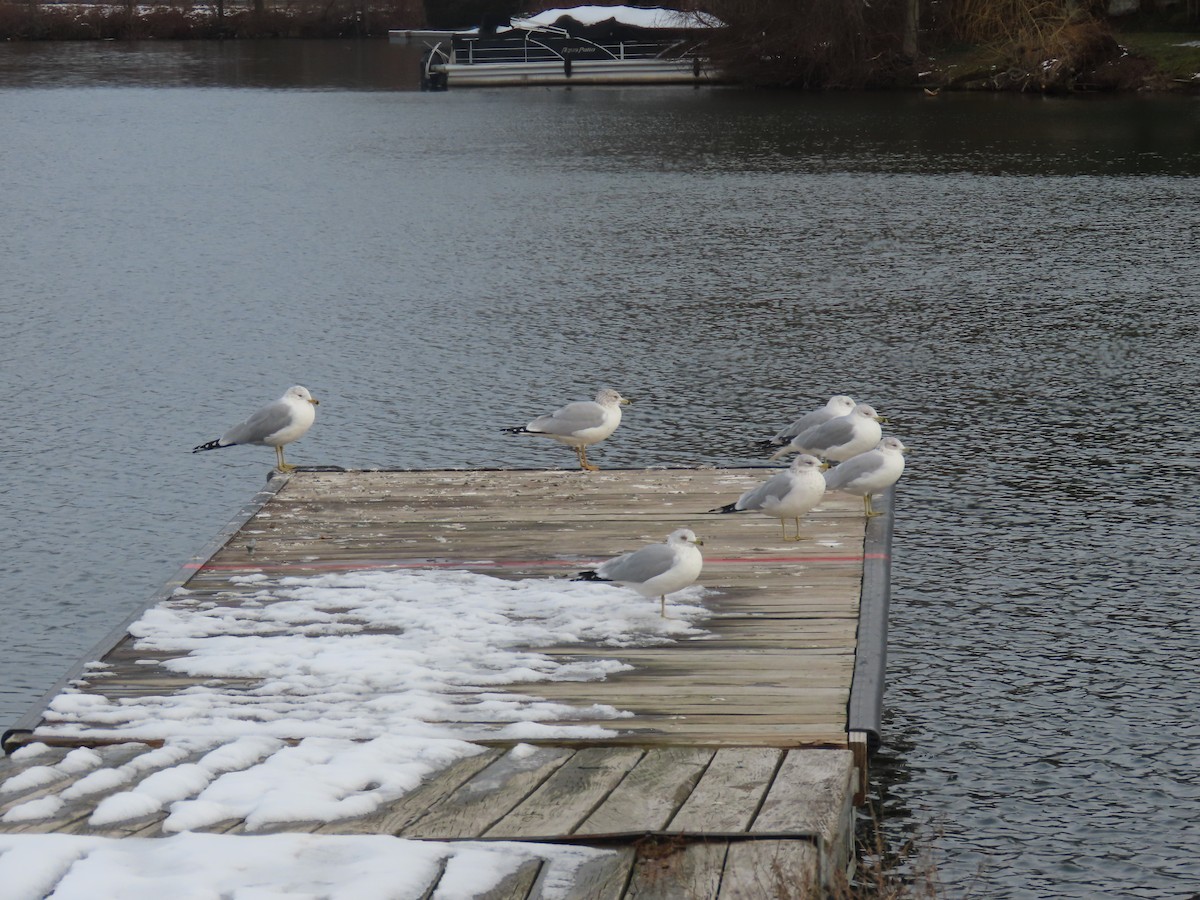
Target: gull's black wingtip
x=727 y=508
x=211 y=445
x=588 y=575
x=521 y=430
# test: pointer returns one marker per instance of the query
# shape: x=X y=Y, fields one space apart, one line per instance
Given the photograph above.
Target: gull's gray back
x=774 y=487
x=271 y=418
x=639 y=566
x=855 y=467
x=831 y=434
x=577 y=416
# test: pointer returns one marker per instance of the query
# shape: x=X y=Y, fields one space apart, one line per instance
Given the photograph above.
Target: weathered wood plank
x=681 y=872
x=484 y=799
x=729 y=794
x=755 y=870
x=137 y=769
x=64 y=812
x=652 y=792
x=398 y=815
x=517 y=885
x=569 y=795
x=32 y=777
x=813 y=791
x=602 y=878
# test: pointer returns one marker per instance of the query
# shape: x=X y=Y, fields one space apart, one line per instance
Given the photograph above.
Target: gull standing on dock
x=580 y=424
x=657 y=569
x=835 y=406
x=869 y=473
x=274 y=425
x=786 y=495
x=840 y=438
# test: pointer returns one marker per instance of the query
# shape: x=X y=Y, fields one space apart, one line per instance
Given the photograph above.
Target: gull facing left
x=657 y=569
x=274 y=425
x=580 y=424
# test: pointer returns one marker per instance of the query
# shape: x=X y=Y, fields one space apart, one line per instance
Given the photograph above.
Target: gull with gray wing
x=869 y=473
x=274 y=425
x=835 y=406
x=656 y=569
x=786 y=495
x=580 y=424
x=840 y=438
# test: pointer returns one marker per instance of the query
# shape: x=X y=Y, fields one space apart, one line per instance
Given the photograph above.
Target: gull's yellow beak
x=825 y=466
x=699 y=542
x=625 y=401
x=314 y=401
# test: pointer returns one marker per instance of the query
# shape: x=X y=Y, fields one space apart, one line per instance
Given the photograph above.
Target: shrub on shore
x=186 y=21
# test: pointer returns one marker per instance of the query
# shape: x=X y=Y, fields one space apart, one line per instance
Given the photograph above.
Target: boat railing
x=478 y=52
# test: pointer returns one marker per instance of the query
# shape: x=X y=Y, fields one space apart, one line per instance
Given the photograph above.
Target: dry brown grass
x=885 y=870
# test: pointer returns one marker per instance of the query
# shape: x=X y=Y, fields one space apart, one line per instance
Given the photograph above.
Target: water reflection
x=278 y=64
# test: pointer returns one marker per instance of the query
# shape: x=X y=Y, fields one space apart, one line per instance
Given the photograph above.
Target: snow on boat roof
x=656 y=17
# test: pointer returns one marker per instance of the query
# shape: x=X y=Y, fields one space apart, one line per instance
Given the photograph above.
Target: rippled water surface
x=189 y=229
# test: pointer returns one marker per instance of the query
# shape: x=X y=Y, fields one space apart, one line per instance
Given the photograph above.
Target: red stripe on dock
x=513 y=564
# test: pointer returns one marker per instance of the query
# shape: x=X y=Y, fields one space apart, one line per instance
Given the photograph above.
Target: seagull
x=869 y=473
x=786 y=495
x=655 y=570
x=580 y=424
x=840 y=438
x=834 y=407
x=274 y=425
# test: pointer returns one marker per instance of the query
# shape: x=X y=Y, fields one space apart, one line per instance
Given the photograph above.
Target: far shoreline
x=1127 y=60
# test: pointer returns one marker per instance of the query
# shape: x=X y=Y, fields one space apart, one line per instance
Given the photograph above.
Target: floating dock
x=740 y=753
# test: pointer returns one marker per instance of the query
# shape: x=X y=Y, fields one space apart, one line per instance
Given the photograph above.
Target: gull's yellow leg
x=663 y=609
x=870 y=510
x=583 y=460
x=279 y=463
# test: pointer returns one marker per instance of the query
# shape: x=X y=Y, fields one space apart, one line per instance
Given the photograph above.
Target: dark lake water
x=190 y=228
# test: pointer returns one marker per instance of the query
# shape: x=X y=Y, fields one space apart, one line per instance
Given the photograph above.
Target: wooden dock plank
x=679 y=872
x=760 y=869
x=398 y=815
x=652 y=792
x=516 y=886
x=813 y=791
x=730 y=792
x=488 y=796
x=144 y=818
x=69 y=812
x=602 y=878
x=568 y=796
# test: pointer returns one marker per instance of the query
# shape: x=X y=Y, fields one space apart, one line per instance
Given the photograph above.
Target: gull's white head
x=297 y=392
x=683 y=536
x=840 y=405
x=804 y=462
x=609 y=397
x=892 y=444
x=867 y=412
